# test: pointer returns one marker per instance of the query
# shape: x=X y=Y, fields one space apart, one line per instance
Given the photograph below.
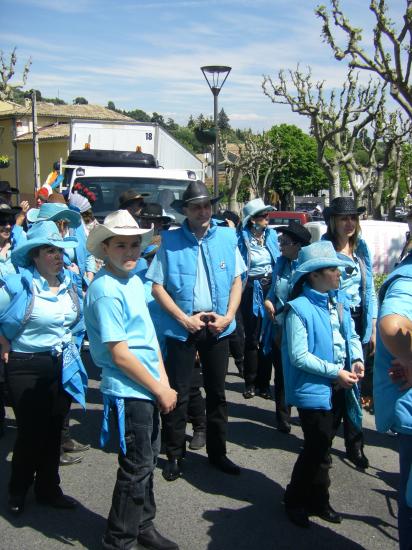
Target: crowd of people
x=160 y=309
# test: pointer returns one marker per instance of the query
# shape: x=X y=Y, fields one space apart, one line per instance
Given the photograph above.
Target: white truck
x=111 y=157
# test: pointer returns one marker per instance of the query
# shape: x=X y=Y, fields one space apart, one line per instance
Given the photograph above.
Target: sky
x=147 y=54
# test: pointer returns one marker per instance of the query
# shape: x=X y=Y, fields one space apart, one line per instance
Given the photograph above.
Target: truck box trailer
x=134 y=136
x=110 y=157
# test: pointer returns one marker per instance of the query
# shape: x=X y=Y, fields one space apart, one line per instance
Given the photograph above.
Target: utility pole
x=36 y=161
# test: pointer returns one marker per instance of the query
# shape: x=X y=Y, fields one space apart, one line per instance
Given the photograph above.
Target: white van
x=385 y=240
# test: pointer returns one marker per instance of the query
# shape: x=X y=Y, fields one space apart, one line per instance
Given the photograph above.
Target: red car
x=283 y=217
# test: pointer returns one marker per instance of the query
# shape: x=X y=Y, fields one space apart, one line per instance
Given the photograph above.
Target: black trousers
x=309 y=485
x=196 y=411
x=133 y=505
x=180 y=360
x=282 y=410
x=237 y=341
x=2 y=394
x=39 y=403
x=257 y=365
x=352 y=436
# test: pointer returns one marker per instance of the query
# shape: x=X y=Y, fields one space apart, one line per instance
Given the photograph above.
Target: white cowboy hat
x=120 y=222
x=253 y=207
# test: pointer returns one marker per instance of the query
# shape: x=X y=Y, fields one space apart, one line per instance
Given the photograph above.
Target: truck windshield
x=108 y=189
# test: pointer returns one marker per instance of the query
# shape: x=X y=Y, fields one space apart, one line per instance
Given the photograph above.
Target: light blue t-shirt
x=116 y=311
x=260 y=259
x=351 y=282
x=48 y=327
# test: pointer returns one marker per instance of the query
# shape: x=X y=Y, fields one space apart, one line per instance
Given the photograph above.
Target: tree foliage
x=302 y=175
x=80 y=101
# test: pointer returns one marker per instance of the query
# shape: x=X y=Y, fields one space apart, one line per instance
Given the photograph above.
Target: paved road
x=208 y=509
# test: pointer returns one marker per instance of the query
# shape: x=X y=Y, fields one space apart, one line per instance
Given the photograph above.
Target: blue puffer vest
x=81 y=251
x=20 y=288
x=181 y=249
x=271 y=242
x=393 y=409
x=366 y=267
x=304 y=389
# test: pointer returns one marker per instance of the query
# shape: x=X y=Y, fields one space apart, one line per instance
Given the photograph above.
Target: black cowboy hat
x=154 y=210
x=130 y=195
x=296 y=231
x=196 y=191
x=342 y=206
x=5 y=188
x=8 y=212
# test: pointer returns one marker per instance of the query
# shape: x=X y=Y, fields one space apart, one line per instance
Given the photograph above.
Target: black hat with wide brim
x=5 y=188
x=7 y=211
x=342 y=206
x=195 y=192
x=296 y=231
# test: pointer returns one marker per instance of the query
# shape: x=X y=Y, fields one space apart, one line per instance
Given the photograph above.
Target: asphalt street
x=207 y=509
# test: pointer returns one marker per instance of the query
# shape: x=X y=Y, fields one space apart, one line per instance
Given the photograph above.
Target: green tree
x=138 y=114
x=191 y=122
x=171 y=125
x=80 y=101
x=111 y=105
x=223 y=121
x=54 y=100
x=302 y=175
x=187 y=138
x=158 y=119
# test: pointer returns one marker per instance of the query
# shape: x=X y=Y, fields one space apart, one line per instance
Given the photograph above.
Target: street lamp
x=215 y=76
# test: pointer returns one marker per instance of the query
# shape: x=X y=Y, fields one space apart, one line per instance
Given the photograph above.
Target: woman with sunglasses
x=342 y=218
x=293 y=237
x=259 y=247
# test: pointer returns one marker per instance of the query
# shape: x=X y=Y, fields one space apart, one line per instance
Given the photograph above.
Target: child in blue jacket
x=320 y=348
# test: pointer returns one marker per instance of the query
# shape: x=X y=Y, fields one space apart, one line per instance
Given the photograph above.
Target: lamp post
x=215 y=76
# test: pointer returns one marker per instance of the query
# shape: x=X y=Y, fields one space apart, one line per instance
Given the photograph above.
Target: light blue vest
x=181 y=249
x=20 y=288
x=393 y=409
x=366 y=267
x=304 y=389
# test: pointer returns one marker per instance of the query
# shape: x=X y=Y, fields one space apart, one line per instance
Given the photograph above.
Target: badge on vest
x=222 y=265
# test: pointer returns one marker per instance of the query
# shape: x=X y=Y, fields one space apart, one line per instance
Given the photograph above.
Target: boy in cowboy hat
x=196 y=280
x=123 y=344
x=320 y=347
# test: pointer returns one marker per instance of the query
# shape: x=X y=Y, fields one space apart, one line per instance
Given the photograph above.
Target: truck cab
x=109 y=182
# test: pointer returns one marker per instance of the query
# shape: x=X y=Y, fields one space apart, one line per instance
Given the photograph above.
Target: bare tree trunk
x=235 y=177
x=377 y=196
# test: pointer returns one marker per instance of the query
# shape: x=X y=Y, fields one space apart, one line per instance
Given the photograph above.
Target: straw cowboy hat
x=41 y=234
x=254 y=207
x=316 y=256
x=120 y=222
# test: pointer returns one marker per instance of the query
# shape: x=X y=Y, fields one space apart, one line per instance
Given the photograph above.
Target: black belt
x=21 y=355
x=356 y=312
x=264 y=280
